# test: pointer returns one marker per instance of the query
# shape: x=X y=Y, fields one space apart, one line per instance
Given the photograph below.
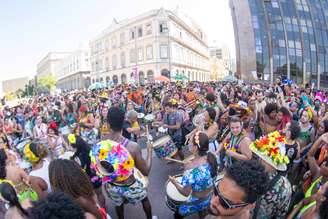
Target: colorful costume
x=199 y=179
x=118 y=186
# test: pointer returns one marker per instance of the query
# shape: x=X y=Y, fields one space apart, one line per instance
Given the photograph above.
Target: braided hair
x=68 y=176
x=3 y=158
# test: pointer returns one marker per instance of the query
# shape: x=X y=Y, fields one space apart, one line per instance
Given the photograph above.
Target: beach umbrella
x=96 y=86
x=162 y=78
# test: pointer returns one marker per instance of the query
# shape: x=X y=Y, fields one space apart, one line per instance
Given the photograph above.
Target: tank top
x=43 y=173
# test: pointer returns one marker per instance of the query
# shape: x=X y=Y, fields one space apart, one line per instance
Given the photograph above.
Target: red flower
x=273 y=151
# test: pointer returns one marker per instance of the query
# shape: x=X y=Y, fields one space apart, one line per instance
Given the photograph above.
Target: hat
x=115 y=156
x=271 y=148
x=53 y=125
x=71 y=139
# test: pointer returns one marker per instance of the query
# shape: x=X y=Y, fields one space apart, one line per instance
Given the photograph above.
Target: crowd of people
x=245 y=151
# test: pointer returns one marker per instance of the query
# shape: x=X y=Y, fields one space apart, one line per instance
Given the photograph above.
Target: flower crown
x=271 y=148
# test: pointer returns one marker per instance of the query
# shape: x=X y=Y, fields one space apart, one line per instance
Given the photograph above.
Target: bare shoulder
x=133 y=148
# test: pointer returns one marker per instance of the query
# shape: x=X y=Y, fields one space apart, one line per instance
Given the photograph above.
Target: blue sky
x=32 y=28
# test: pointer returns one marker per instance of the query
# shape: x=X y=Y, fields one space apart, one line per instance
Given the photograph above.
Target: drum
x=67 y=156
x=162 y=130
x=140 y=115
x=140 y=177
x=164 y=147
x=149 y=118
x=173 y=197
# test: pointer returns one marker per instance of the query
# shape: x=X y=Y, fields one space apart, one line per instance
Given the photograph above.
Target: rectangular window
x=140 y=32
x=114 y=41
x=312 y=46
x=299 y=52
x=149 y=52
x=298 y=45
x=163 y=27
x=275 y=4
x=282 y=43
x=122 y=39
x=140 y=54
x=148 y=29
x=291 y=44
x=132 y=34
x=133 y=57
x=163 y=51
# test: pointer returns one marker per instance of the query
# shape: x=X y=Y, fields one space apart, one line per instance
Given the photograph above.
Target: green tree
x=48 y=81
x=19 y=93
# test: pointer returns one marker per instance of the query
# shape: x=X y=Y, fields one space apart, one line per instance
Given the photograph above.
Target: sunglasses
x=225 y=203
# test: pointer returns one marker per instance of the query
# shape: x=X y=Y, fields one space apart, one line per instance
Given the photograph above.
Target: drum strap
x=125 y=142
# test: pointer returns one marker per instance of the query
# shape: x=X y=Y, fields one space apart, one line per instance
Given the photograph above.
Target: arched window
x=123 y=78
x=115 y=79
x=141 y=77
x=165 y=73
x=150 y=76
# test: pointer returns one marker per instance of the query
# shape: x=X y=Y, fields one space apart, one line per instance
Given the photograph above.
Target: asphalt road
x=156 y=191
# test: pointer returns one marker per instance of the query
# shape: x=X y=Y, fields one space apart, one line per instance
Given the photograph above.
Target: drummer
x=196 y=180
x=136 y=192
x=173 y=121
x=131 y=128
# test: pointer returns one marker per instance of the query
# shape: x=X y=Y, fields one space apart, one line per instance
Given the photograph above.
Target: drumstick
x=147 y=133
x=174 y=160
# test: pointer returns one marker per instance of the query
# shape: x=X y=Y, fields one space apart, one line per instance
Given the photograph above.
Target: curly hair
x=115 y=118
x=211 y=112
x=68 y=176
x=56 y=205
x=295 y=130
x=210 y=97
x=251 y=177
x=270 y=107
x=39 y=150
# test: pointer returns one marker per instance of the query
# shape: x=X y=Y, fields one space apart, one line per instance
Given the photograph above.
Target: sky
x=30 y=29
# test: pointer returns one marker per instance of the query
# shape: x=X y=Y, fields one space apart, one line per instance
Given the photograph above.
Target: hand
x=172 y=179
x=230 y=153
x=165 y=126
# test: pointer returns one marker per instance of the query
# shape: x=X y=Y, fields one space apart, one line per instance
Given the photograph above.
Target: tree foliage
x=47 y=81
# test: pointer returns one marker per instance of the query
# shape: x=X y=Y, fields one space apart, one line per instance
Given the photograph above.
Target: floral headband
x=115 y=155
x=29 y=155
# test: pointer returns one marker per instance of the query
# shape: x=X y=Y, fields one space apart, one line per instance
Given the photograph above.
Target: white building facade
x=47 y=65
x=159 y=42
x=220 y=62
x=73 y=72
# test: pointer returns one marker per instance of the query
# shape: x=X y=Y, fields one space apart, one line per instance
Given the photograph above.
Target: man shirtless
x=135 y=192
